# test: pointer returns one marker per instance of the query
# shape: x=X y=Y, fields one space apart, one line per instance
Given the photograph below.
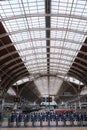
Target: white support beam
x=44 y=15
x=43 y=29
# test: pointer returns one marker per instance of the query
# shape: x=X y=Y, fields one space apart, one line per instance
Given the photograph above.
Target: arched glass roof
x=47 y=34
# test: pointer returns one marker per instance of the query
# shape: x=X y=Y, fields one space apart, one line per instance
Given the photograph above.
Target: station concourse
x=44 y=129
x=43 y=64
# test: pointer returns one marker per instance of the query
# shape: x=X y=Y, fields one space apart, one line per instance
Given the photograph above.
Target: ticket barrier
x=80 y=119
x=83 y=119
x=68 y=119
x=33 y=120
x=48 y=119
x=1 y=119
x=52 y=119
x=11 y=120
x=38 y=119
x=75 y=119
x=27 y=120
x=60 y=120
x=19 y=120
x=43 y=119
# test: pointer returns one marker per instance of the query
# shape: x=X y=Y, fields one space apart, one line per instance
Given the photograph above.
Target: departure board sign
x=49 y=99
x=43 y=99
x=22 y=99
x=16 y=99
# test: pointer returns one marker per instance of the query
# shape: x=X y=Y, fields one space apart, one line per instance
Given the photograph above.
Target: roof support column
x=48 y=25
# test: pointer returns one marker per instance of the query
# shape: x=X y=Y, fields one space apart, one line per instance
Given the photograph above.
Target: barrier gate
x=47 y=119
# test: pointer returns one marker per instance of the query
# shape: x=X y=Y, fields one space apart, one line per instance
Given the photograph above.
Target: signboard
x=49 y=99
x=43 y=99
x=22 y=99
x=16 y=99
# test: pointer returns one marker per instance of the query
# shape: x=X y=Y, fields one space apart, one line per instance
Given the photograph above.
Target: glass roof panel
x=11 y=92
x=47 y=89
x=24 y=80
x=68 y=24
x=24 y=30
x=25 y=23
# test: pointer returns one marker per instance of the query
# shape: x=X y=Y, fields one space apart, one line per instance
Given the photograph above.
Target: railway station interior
x=43 y=64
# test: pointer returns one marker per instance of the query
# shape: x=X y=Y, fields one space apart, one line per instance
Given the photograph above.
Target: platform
x=56 y=128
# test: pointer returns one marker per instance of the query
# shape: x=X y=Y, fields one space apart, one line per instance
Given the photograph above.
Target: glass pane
x=25 y=23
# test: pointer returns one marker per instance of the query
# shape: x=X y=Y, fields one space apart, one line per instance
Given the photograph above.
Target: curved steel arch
x=12 y=75
x=43 y=76
x=20 y=74
x=14 y=52
x=20 y=77
x=74 y=67
x=56 y=47
x=80 y=78
x=43 y=29
x=9 y=68
x=8 y=83
x=16 y=69
x=41 y=39
x=80 y=65
x=12 y=60
x=25 y=75
x=8 y=54
x=42 y=47
x=44 y=15
x=37 y=67
x=76 y=73
x=51 y=75
x=31 y=82
x=79 y=70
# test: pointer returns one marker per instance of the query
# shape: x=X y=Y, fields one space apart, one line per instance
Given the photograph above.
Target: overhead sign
x=43 y=99
x=22 y=99
x=16 y=99
x=49 y=99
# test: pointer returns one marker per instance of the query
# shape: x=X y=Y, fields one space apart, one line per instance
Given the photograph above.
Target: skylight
x=83 y=91
x=31 y=27
x=48 y=86
x=74 y=80
x=24 y=80
x=11 y=92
